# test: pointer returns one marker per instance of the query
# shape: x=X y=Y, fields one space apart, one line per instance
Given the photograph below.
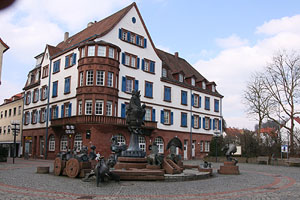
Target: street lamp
x=70 y=130
x=15 y=128
x=216 y=135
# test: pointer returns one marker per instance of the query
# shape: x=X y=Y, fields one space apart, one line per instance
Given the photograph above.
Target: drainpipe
x=48 y=110
x=191 y=128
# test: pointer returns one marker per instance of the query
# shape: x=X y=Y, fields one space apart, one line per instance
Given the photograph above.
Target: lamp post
x=70 y=130
x=216 y=135
x=15 y=128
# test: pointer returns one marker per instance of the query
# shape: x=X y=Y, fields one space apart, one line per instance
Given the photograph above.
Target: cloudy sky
x=226 y=41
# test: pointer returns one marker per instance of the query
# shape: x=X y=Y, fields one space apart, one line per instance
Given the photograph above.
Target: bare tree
x=282 y=81
x=256 y=99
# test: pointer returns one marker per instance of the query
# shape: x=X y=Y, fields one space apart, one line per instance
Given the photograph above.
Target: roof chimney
x=66 y=36
x=176 y=54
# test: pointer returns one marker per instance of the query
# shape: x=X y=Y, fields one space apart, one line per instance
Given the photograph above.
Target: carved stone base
x=210 y=170
x=229 y=168
x=134 y=154
x=127 y=163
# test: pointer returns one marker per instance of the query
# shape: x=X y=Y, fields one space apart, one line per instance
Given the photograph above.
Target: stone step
x=139 y=172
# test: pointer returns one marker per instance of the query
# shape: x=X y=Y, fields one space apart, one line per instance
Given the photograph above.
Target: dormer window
x=164 y=72
x=181 y=78
x=203 y=85
x=32 y=78
x=193 y=82
x=213 y=89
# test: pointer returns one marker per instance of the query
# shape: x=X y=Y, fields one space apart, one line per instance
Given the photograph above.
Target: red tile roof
x=97 y=29
x=297 y=119
x=234 y=131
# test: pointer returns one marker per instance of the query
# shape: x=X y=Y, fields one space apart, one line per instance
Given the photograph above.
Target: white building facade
x=86 y=82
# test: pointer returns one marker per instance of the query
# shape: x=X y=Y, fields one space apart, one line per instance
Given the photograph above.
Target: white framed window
x=148 y=114
x=207 y=146
x=203 y=85
x=127 y=60
x=89 y=77
x=193 y=82
x=180 y=78
x=55 y=112
x=102 y=51
x=167 y=117
x=99 y=107
x=63 y=143
x=88 y=107
x=108 y=108
x=142 y=143
x=146 y=66
x=34 y=117
x=196 y=121
x=201 y=146
x=43 y=115
x=82 y=52
x=66 y=110
x=91 y=51
x=132 y=38
x=164 y=72
x=121 y=139
x=100 y=77
x=133 y=61
x=160 y=143
x=216 y=124
x=124 y=35
x=79 y=107
x=51 y=143
x=111 y=52
x=207 y=123
x=196 y=100
x=78 y=142
x=81 y=79
x=213 y=89
x=110 y=77
x=129 y=85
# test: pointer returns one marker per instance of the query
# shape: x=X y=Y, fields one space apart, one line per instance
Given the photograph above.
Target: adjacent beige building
x=11 y=110
x=3 y=48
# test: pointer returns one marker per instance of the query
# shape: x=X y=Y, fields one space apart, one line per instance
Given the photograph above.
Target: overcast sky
x=226 y=41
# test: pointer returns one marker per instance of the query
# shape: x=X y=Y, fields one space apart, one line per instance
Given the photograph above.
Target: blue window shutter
x=153 y=115
x=123 y=83
x=62 y=111
x=200 y=101
x=120 y=33
x=171 y=117
x=162 y=119
x=138 y=62
x=151 y=89
x=67 y=61
x=30 y=114
x=220 y=124
x=192 y=101
x=74 y=59
x=123 y=110
x=32 y=96
x=128 y=36
x=209 y=123
x=50 y=114
x=152 y=66
x=137 y=40
x=192 y=122
x=70 y=110
x=143 y=64
x=123 y=58
x=214 y=124
x=145 y=43
x=56 y=108
x=199 y=122
x=136 y=85
x=204 y=122
x=38 y=116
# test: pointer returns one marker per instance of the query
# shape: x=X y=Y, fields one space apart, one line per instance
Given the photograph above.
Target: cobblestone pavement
x=20 y=181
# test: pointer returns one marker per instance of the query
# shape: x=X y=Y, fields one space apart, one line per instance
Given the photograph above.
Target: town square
x=149 y=99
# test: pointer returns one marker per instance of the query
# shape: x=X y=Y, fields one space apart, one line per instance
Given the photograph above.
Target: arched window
x=160 y=143
x=51 y=143
x=142 y=143
x=121 y=139
x=63 y=143
x=78 y=142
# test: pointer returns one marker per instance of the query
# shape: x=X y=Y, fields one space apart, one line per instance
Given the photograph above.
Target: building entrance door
x=193 y=148
x=185 y=148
